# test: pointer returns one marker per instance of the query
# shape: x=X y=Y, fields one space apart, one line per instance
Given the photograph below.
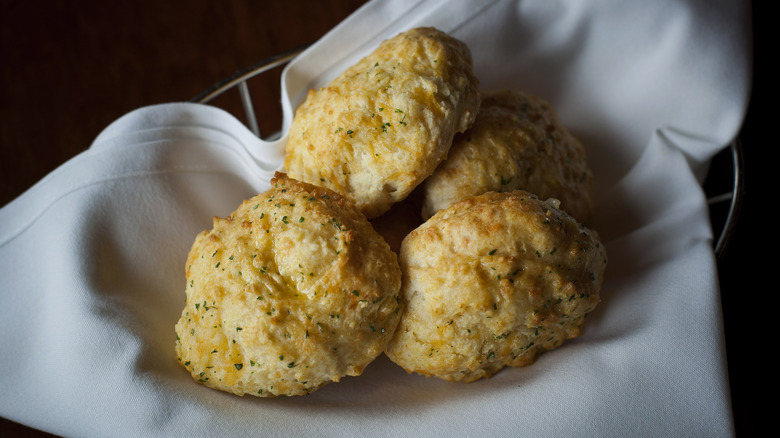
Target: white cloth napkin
x=92 y=269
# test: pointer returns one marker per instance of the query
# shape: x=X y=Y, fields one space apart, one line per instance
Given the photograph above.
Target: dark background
x=71 y=68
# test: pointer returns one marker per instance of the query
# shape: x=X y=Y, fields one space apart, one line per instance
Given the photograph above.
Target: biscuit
x=378 y=130
x=491 y=282
x=516 y=143
x=293 y=290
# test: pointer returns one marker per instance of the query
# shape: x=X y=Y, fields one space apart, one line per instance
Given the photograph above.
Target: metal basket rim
x=240 y=77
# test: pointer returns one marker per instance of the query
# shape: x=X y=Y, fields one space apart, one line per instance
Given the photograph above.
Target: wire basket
x=724 y=203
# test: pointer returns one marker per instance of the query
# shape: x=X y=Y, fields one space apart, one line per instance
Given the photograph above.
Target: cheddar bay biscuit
x=516 y=142
x=492 y=281
x=293 y=290
x=378 y=130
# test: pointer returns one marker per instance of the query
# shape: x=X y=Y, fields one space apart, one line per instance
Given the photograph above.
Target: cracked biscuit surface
x=291 y=291
x=516 y=143
x=378 y=130
x=491 y=282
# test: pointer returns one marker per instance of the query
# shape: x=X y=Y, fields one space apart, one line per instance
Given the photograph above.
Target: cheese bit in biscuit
x=516 y=143
x=378 y=130
x=293 y=290
x=491 y=282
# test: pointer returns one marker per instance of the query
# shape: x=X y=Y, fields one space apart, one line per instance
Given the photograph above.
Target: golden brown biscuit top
x=379 y=129
x=293 y=290
x=503 y=227
x=517 y=142
x=492 y=281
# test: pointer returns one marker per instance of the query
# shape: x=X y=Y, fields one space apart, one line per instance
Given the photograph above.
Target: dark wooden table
x=69 y=69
